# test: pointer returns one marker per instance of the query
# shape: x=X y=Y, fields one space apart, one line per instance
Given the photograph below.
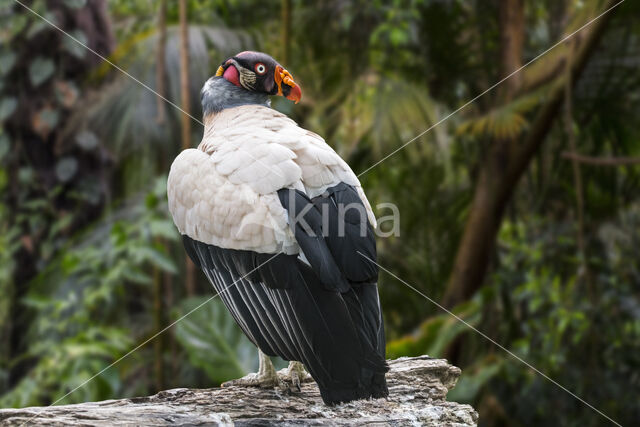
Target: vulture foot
x=255 y=380
x=266 y=377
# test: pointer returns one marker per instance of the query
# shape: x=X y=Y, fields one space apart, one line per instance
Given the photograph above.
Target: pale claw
x=294 y=376
x=295 y=381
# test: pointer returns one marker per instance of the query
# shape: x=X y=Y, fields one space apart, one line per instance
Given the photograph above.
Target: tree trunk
x=286 y=31
x=575 y=165
x=184 y=76
x=511 y=22
x=498 y=176
x=158 y=277
x=161 y=69
x=472 y=258
x=158 y=343
x=484 y=220
x=189 y=280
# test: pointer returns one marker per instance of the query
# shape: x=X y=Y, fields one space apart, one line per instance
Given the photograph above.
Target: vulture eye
x=260 y=68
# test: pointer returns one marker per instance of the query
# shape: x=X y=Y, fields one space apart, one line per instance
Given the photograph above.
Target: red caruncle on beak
x=231 y=74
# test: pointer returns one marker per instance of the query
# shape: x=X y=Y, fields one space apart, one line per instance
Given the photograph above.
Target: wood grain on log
x=417 y=391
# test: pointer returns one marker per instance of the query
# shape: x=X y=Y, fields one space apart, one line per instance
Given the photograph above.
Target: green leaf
x=436 y=333
x=67 y=93
x=136 y=276
x=398 y=36
x=66 y=168
x=13 y=27
x=25 y=175
x=158 y=258
x=474 y=378
x=163 y=228
x=87 y=140
x=36 y=27
x=160 y=186
x=46 y=120
x=7 y=107
x=5 y=145
x=7 y=60
x=75 y=4
x=73 y=47
x=40 y=70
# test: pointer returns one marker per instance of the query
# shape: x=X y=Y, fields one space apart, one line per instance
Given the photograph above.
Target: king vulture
x=282 y=229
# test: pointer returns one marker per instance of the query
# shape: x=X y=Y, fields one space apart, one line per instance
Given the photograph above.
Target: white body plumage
x=224 y=192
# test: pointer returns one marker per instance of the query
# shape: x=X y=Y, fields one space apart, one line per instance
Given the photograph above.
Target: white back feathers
x=224 y=192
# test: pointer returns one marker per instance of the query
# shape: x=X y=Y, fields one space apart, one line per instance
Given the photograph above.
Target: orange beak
x=283 y=76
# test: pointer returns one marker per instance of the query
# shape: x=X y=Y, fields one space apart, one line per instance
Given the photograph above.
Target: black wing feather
x=306 y=223
x=349 y=234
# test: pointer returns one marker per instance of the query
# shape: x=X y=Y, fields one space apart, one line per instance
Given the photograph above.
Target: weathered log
x=417 y=390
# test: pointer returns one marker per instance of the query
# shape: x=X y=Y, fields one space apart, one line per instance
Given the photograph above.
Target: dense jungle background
x=520 y=213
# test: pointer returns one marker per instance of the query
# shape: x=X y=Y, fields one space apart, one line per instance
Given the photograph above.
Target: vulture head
x=260 y=73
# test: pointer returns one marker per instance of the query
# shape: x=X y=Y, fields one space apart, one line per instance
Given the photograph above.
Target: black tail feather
x=376 y=389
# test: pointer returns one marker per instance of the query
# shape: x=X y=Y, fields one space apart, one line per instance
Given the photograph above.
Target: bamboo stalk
x=577 y=174
x=186 y=119
x=286 y=31
x=158 y=344
x=161 y=72
x=601 y=161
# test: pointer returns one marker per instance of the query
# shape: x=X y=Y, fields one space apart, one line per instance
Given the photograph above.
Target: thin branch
x=577 y=174
x=286 y=31
x=601 y=161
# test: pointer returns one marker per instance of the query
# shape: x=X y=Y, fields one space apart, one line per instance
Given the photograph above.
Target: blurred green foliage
x=213 y=341
x=91 y=265
x=77 y=320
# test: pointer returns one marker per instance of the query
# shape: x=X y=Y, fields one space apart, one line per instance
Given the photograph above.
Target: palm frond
x=124 y=113
x=384 y=113
x=505 y=122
